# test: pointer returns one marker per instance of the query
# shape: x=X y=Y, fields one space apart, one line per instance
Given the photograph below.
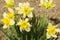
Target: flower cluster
x=25 y=9
x=8 y=18
x=47 y=4
x=25 y=24
x=9 y=3
x=52 y=30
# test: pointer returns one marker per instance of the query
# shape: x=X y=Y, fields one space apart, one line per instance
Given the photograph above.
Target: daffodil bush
x=22 y=23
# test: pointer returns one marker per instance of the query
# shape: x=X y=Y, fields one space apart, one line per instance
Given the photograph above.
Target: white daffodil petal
x=6 y=1
x=16 y=8
x=20 y=4
x=26 y=19
x=18 y=23
x=47 y=30
x=5 y=26
x=58 y=30
x=50 y=1
x=48 y=36
x=21 y=29
x=11 y=10
x=41 y=1
x=29 y=25
x=49 y=25
x=26 y=4
x=55 y=36
x=32 y=8
x=28 y=29
x=55 y=26
x=54 y=5
x=4 y=14
x=30 y=15
x=46 y=0
x=12 y=22
x=24 y=15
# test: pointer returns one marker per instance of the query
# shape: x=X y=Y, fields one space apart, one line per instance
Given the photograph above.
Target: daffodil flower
x=8 y=19
x=25 y=9
x=24 y=25
x=9 y=3
x=52 y=31
x=10 y=14
x=7 y=22
x=47 y=4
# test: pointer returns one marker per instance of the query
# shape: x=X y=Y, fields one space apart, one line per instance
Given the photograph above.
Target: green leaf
x=42 y=26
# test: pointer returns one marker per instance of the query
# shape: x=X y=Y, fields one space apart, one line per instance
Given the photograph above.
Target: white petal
x=21 y=29
x=55 y=36
x=26 y=19
x=26 y=4
x=32 y=8
x=58 y=30
x=12 y=22
x=19 y=11
x=29 y=25
x=24 y=15
x=47 y=29
x=30 y=15
x=5 y=14
x=11 y=10
x=20 y=4
x=49 y=25
x=5 y=26
x=39 y=4
x=28 y=29
x=17 y=8
x=46 y=0
x=48 y=36
x=18 y=23
x=54 y=5
x=41 y=1
x=6 y=1
x=51 y=1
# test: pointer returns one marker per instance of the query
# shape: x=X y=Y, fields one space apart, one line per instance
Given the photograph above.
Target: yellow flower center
x=47 y=4
x=26 y=10
x=6 y=21
x=44 y=4
x=52 y=30
x=10 y=3
x=11 y=15
x=24 y=24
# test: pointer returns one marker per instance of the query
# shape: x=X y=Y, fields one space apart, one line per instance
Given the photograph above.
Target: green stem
x=51 y=38
x=15 y=32
x=26 y=37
